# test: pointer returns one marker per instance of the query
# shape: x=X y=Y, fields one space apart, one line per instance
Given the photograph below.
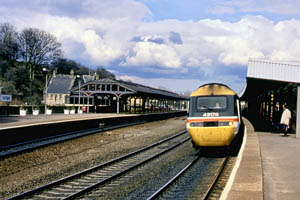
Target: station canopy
x=265 y=75
x=130 y=88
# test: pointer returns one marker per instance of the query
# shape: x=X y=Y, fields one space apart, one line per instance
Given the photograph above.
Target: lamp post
x=46 y=88
x=79 y=82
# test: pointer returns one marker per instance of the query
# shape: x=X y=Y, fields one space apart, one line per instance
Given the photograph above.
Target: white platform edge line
x=229 y=183
x=59 y=121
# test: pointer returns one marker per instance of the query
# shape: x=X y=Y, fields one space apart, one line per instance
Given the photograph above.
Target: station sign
x=5 y=98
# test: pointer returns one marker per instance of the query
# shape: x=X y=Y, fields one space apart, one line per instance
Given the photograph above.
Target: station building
x=108 y=95
x=271 y=85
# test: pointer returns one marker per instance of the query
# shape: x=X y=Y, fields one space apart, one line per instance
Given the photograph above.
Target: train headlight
x=196 y=124
x=225 y=123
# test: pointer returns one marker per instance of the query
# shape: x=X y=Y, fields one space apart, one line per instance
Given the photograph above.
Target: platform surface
x=281 y=165
x=269 y=167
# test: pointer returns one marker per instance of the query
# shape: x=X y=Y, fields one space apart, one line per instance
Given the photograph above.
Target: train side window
x=238 y=105
x=235 y=106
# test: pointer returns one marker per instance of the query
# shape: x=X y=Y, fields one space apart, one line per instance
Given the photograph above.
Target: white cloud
x=204 y=43
x=107 y=39
x=115 y=33
x=100 y=50
x=151 y=54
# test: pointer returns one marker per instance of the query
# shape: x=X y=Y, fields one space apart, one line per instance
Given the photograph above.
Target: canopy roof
x=264 y=75
x=134 y=88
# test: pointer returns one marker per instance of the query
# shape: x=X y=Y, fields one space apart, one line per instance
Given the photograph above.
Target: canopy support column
x=298 y=114
x=118 y=104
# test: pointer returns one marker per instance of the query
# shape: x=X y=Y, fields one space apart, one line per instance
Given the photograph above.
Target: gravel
x=149 y=178
x=29 y=170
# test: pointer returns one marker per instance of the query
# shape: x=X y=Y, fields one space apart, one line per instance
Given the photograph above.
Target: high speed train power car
x=214 y=116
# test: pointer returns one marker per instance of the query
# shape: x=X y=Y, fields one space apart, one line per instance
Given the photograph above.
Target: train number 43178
x=211 y=114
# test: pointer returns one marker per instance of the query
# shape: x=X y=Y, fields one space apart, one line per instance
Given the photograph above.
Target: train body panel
x=214 y=117
x=212 y=136
x=215 y=90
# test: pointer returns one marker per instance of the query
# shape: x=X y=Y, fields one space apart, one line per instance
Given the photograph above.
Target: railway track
x=78 y=184
x=187 y=184
x=10 y=150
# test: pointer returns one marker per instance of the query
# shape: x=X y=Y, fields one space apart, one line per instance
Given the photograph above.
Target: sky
x=170 y=44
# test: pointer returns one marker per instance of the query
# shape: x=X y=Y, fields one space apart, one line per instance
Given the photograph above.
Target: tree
x=8 y=48
x=64 y=66
x=103 y=73
x=8 y=42
x=38 y=48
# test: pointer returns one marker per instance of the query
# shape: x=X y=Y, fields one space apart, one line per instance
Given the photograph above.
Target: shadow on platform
x=259 y=124
x=262 y=125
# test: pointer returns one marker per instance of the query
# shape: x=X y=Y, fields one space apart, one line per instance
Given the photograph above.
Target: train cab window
x=212 y=103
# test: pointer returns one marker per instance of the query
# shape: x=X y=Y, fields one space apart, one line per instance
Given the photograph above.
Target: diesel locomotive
x=214 y=116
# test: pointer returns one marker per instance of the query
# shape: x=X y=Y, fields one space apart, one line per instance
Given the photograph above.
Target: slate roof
x=151 y=90
x=63 y=84
x=137 y=88
x=60 y=84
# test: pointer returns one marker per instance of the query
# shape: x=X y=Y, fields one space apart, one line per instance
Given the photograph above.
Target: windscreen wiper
x=204 y=106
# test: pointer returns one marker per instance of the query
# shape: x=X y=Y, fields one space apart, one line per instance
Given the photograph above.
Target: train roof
x=213 y=89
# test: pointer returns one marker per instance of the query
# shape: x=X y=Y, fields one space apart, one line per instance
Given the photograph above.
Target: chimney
x=96 y=76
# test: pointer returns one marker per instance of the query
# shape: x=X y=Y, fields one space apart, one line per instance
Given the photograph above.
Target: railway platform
x=266 y=168
x=16 y=130
x=16 y=120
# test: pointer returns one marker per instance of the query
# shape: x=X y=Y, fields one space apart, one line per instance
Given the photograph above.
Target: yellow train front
x=214 y=116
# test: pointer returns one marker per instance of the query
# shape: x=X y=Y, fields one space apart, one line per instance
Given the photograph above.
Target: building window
x=84 y=88
x=98 y=87
x=114 y=88
x=92 y=87
x=122 y=89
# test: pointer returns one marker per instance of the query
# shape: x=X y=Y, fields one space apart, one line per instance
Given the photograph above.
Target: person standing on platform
x=285 y=120
x=276 y=119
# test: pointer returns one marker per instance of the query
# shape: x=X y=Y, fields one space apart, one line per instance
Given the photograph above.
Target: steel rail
x=216 y=179
x=208 y=192
x=78 y=194
x=84 y=172
x=170 y=182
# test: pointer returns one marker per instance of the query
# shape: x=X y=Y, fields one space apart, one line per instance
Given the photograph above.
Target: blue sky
x=171 y=44
x=225 y=10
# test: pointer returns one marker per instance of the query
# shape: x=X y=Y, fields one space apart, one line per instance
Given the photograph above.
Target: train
x=214 y=116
